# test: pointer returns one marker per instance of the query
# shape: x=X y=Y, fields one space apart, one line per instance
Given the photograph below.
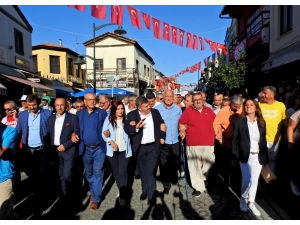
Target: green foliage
x=227 y=76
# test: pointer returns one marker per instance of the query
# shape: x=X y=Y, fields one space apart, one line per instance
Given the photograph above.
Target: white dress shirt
x=253 y=134
x=73 y=111
x=119 y=136
x=148 y=129
x=59 y=122
x=127 y=110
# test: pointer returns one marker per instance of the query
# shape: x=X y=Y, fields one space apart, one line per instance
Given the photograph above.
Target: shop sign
x=22 y=62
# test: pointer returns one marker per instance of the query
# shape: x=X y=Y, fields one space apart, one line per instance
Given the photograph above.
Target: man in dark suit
x=60 y=126
x=144 y=127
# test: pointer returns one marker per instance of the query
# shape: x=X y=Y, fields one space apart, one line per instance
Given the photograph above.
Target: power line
x=91 y=35
x=60 y=30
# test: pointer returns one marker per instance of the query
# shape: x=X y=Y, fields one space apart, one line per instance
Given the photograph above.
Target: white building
x=119 y=56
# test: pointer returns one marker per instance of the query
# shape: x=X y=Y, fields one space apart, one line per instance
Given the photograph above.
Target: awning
x=288 y=55
x=27 y=82
x=10 y=71
x=64 y=88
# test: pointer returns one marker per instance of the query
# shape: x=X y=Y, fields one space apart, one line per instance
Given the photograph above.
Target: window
x=54 y=64
x=99 y=64
x=70 y=66
x=121 y=63
x=19 y=46
x=35 y=63
x=78 y=71
x=148 y=71
x=137 y=65
x=286 y=18
x=144 y=70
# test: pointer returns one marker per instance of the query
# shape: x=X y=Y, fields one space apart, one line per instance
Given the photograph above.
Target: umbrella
x=82 y=93
x=116 y=91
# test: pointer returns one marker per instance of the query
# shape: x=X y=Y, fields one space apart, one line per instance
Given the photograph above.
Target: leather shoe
x=94 y=206
x=91 y=198
x=166 y=191
x=152 y=202
x=143 y=196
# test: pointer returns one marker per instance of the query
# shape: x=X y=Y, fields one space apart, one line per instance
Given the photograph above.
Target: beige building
x=55 y=62
x=122 y=57
x=283 y=37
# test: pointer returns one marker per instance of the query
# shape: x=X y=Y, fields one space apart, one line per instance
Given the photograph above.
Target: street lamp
x=80 y=61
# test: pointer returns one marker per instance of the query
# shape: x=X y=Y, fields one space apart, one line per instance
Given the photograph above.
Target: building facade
x=281 y=69
x=16 y=55
x=248 y=35
x=121 y=58
x=55 y=62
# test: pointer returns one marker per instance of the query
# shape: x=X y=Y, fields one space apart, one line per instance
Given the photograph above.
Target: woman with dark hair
x=118 y=147
x=249 y=147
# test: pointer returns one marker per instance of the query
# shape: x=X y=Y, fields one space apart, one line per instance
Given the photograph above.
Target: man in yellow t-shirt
x=274 y=113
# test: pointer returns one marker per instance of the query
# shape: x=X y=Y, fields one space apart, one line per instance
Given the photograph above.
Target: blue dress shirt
x=171 y=117
x=34 y=136
x=90 y=136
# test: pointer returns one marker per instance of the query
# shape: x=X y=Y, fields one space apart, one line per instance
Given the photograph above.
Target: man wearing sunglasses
x=159 y=99
x=11 y=118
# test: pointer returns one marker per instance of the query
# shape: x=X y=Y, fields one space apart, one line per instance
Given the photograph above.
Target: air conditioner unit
x=265 y=35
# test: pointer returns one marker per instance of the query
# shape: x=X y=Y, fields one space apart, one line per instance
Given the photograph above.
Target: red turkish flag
x=181 y=35
x=134 y=16
x=156 y=28
x=78 y=7
x=174 y=35
x=166 y=31
x=189 y=40
x=146 y=19
x=210 y=44
x=99 y=11
x=204 y=60
x=117 y=12
x=195 y=42
x=202 y=43
x=199 y=66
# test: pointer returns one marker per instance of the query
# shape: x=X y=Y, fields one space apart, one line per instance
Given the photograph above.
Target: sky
x=53 y=22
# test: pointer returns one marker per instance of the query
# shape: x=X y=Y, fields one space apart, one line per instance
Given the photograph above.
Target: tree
x=227 y=77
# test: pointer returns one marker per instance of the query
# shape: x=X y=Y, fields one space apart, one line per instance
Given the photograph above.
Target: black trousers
x=169 y=164
x=119 y=166
x=66 y=172
x=147 y=162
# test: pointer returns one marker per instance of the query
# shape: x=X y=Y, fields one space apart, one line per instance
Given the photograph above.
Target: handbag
x=267 y=174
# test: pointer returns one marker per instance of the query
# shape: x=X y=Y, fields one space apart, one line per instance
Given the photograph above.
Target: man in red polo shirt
x=196 y=125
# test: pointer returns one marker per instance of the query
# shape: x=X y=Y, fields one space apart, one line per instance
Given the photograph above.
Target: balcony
x=251 y=31
x=128 y=78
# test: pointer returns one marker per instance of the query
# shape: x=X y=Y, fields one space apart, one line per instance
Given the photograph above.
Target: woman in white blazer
x=118 y=147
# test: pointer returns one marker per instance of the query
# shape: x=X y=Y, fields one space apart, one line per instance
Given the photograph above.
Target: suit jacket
x=70 y=125
x=22 y=125
x=241 y=142
x=136 y=137
x=102 y=114
x=108 y=126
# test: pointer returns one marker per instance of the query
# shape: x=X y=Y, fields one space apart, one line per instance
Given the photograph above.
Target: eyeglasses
x=8 y=109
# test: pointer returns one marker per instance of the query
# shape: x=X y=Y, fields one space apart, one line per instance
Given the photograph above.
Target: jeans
x=93 y=160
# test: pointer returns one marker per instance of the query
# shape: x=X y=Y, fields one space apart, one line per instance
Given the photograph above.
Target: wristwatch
x=108 y=142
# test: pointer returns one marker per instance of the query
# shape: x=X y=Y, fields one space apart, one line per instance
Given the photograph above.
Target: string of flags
x=176 y=35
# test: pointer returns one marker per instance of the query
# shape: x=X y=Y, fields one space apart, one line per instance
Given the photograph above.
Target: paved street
x=217 y=203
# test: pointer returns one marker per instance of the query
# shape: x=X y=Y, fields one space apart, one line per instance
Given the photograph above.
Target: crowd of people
x=236 y=135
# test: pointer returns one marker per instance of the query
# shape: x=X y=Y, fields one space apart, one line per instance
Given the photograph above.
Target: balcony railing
x=253 y=28
x=128 y=78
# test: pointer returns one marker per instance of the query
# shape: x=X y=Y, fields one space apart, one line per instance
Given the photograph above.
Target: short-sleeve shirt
x=273 y=115
x=296 y=118
x=8 y=138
